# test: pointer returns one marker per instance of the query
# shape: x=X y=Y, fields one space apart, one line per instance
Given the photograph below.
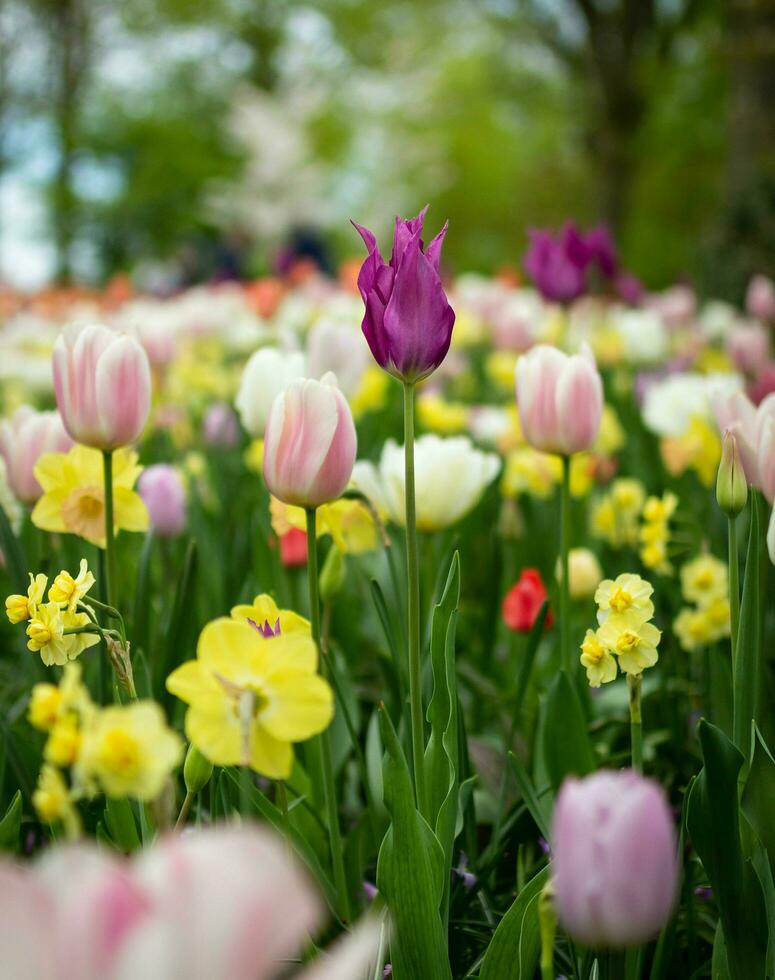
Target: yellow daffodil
x=43 y=710
x=691 y=628
x=611 y=437
x=436 y=414
x=635 y=645
x=53 y=803
x=624 y=601
x=582 y=474
x=250 y=698
x=269 y=620
x=703 y=579
x=699 y=449
x=600 y=665
x=20 y=608
x=500 y=367
x=528 y=471
x=350 y=523
x=614 y=516
x=253 y=457
x=46 y=634
x=371 y=393
x=69 y=590
x=660 y=508
x=73 y=495
x=64 y=742
x=129 y=750
x=717 y=617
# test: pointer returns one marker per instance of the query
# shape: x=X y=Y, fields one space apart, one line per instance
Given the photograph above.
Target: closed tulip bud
x=23 y=440
x=267 y=372
x=310 y=443
x=614 y=858
x=197 y=771
x=731 y=485
x=163 y=493
x=102 y=381
x=332 y=575
x=560 y=399
x=408 y=321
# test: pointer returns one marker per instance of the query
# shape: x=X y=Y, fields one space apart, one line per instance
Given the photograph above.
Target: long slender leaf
x=713 y=823
x=567 y=749
x=516 y=945
x=409 y=875
x=749 y=640
x=530 y=796
x=10 y=825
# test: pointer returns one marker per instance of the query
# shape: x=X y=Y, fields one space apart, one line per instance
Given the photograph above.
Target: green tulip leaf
x=516 y=945
x=567 y=749
x=10 y=825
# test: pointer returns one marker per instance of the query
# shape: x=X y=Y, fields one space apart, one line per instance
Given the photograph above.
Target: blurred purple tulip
x=408 y=320
x=562 y=266
x=163 y=493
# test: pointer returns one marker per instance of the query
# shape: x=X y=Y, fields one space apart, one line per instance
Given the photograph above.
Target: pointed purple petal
x=433 y=251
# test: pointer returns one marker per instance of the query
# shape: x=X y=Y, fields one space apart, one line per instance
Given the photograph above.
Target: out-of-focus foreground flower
x=221 y=904
x=615 y=858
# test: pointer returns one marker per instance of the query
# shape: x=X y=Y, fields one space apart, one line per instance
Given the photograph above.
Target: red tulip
x=523 y=602
x=293 y=548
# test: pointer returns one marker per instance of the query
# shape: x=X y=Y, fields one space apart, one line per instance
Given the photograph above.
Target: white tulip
x=450 y=477
x=266 y=374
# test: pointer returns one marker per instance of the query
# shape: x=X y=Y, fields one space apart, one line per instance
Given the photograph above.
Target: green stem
x=180 y=822
x=413 y=617
x=324 y=739
x=245 y=786
x=110 y=540
x=734 y=588
x=634 y=682
x=565 y=650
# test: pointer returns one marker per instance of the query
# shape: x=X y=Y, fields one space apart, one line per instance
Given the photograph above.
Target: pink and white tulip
x=614 y=858
x=220 y=904
x=752 y=429
x=310 y=443
x=23 y=440
x=102 y=381
x=748 y=346
x=560 y=399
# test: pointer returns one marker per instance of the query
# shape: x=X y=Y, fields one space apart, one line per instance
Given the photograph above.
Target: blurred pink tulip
x=23 y=439
x=310 y=443
x=102 y=381
x=748 y=346
x=614 y=858
x=560 y=399
x=163 y=493
x=760 y=298
x=221 y=904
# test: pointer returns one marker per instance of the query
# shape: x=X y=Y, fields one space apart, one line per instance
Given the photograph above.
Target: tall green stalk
x=110 y=540
x=634 y=682
x=565 y=648
x=413 y=617
x=734 y=588
x=324 y=739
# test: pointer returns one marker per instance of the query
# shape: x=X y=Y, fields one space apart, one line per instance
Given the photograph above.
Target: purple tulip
x=615 y=860
x=557 y=266
x=561 y=265
x=220 y=426
x=408 y=320
x=164 y=495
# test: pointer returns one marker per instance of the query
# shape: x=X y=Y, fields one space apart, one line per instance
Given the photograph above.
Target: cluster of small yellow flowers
x=254 y=689
x=698 y=449
x=704 y=583
x=625 y=639
x=654 y=533
x=56 y=629
x=614 y=516
x=121 y=750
